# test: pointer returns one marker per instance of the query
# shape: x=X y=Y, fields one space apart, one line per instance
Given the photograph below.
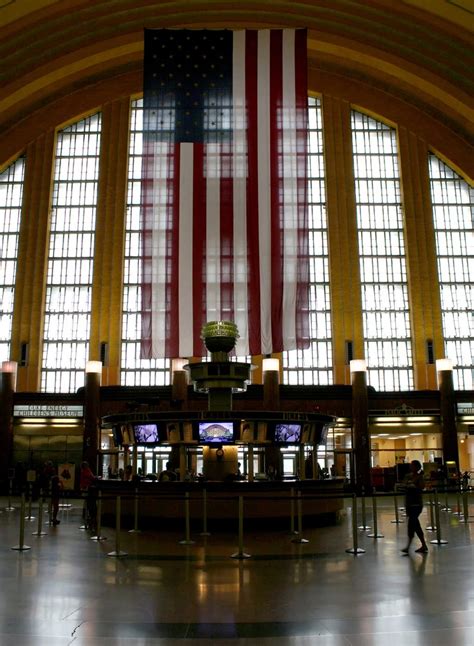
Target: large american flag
x=224 y=189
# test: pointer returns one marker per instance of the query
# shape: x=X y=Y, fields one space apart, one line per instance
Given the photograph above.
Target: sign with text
x=48 y=410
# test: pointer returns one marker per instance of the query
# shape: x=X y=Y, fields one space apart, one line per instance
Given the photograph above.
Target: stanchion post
x=241 y=554
x=364 y=517
x=397 y=519
x=204 y=513
x=98 y=521
x=375 y=533
x=465 y=505
x=30 y=502
x=438 y=540
x=10 y=493
x=135 y=529
x=299 y=538
x=292 y=512
x=21 y=547
x=39 y=530
x=458 y=511
x=187 y=539
x=355 y=549
x=118 y=513
x=432 y=526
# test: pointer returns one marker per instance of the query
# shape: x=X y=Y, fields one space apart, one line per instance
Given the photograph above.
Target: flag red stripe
x=252 y=193
x=276 y=100
x=172 y=256
x=199 y=248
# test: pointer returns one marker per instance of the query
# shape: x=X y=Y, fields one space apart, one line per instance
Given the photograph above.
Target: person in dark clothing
x=56 y=488
x=413 y=505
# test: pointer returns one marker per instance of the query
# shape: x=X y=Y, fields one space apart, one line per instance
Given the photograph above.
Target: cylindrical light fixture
x=358 y=365
x=11 y=367
x=271 y=365
x=444 y=364
x=94 y=367
x=178 y=364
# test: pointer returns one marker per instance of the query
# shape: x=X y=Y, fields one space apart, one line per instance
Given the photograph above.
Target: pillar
x=7 y=390
x=360 y=425
x=92 y=413
x=271 y=384
x=449 y=433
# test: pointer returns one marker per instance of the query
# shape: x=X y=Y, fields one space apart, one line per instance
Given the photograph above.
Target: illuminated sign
x=47 y=410
x=465 y=408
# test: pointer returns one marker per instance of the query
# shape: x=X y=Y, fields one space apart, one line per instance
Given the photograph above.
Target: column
x=423 y=284
x=107 y=288
x=271 y=384
x=342 y=237
x=179 y=383
x=30 y=289
x=92 y=413
x=360 y=425
x=7 y=390
x=444 y=368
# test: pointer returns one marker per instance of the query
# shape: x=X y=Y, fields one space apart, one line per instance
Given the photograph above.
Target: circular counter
x=265 y=502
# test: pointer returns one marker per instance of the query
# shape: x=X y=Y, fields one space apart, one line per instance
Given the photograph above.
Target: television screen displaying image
x=216 y=432
x=146 y=433
x=287 y=433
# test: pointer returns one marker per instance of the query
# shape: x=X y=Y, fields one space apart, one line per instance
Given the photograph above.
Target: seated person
x=168 y=475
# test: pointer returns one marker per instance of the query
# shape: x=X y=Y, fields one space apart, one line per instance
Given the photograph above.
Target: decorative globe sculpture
x=219 y=336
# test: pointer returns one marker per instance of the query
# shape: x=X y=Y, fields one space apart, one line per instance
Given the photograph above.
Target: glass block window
x=11 y=195
x=386 y=320
x=136 y=371
x=453 y=214
x=314 y=365
x=71 y=253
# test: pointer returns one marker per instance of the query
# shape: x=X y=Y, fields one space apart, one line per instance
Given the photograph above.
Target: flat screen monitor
x=146 y=433
x=216 y=432
x=287 y=433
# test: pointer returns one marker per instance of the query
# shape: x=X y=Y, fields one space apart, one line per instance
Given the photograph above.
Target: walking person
x=414 y=505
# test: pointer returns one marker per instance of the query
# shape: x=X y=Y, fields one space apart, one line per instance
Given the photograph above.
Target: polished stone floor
x=66 y=589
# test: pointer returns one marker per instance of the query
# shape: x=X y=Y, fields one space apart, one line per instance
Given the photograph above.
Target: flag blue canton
x=188 y=85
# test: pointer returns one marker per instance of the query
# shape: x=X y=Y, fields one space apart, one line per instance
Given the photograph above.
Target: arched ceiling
x=54 y=50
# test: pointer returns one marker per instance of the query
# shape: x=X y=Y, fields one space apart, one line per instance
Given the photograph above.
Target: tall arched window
x=386 y=320
x=314 y=365
x=453 y=214
x=11 y=195
x=71 y=256
x=135 y=371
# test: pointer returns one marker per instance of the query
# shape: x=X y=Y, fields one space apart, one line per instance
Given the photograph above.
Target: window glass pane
x=11 y=195
x=453 y=215
x=71 y=253
x=134 y=370
x=314 y=365
x=385 y=310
